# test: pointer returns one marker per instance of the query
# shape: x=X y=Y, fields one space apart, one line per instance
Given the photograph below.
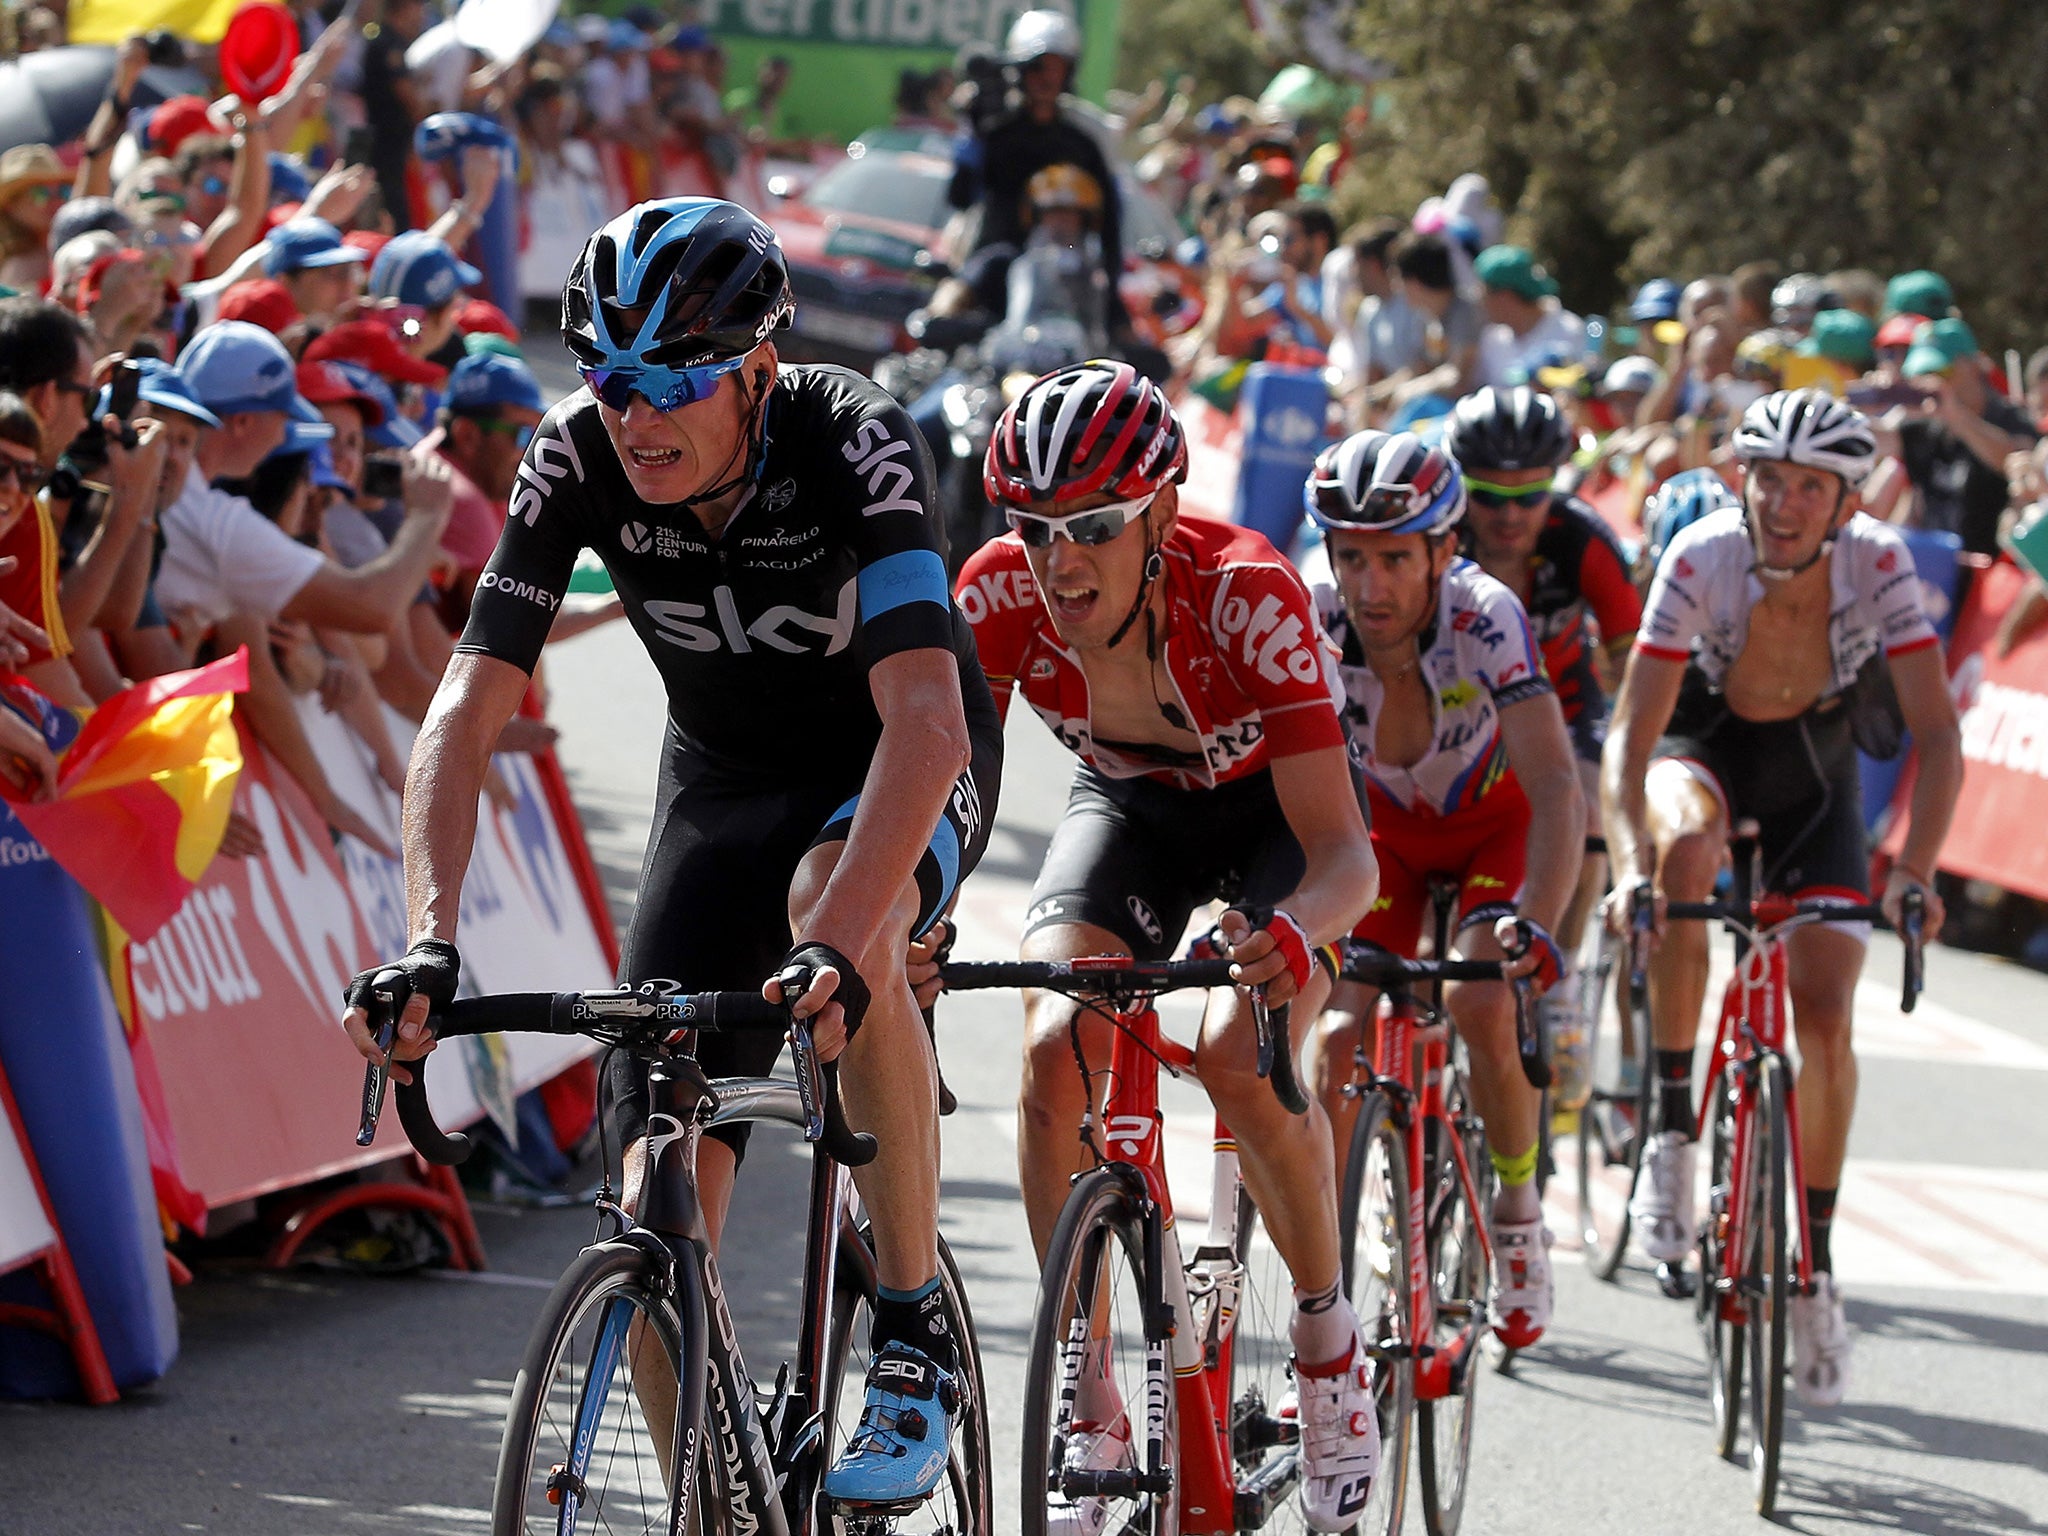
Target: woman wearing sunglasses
x=833 y=754
x=1180 y=659
x=1568 y=571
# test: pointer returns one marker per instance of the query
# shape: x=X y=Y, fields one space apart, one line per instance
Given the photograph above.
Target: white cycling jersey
x=1706 y=585
x=1479 y=657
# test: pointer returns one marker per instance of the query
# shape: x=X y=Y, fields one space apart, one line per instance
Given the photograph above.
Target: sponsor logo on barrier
x=2006 y=727
x=196 y=960
x=22 y=850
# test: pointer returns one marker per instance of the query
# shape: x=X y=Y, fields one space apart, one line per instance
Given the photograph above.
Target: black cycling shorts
x=1798 y=779
x=1136 y=856
x=1585 y=707
x=713 y=911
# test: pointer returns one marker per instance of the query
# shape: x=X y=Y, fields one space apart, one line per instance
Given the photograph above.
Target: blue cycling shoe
x=898 y=1451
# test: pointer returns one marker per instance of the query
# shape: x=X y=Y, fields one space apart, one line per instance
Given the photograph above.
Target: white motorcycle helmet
x=1038 y=33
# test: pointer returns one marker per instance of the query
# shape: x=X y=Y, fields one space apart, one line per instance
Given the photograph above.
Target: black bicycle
x=634 y=1409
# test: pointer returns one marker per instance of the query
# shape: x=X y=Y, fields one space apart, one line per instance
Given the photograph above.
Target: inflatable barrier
x=1285 y=413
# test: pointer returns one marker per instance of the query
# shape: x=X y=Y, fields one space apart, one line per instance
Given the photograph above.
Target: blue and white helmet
x=1385 y=482
x=675 y=283
x=1680 y=502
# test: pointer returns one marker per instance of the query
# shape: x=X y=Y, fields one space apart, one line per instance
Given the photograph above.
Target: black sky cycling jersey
x=833 y=561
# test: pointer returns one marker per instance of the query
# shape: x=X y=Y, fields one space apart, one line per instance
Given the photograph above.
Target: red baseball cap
x=325 y=384
x=370 y=343
x=176 y=120
x=368 y=241
x=262 y=301
x=1898 y=331
x=483 y=315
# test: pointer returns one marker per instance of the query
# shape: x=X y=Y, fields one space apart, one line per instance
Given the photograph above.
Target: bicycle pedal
x=1677 y=1282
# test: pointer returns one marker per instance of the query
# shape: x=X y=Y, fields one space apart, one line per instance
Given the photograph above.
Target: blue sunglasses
x=666 y=389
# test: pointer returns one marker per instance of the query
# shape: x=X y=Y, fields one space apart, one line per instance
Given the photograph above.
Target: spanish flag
x=143 y=792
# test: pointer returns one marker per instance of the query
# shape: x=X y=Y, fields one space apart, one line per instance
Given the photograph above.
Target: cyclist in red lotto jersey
x=1470 y=774
x=1180 y=659
x=1568 y=571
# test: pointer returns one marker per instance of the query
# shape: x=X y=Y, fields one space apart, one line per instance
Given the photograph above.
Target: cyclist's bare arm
x=1321 y=806
x=1642 y=709
x=923 y=749
x=1540 y=751
x=476 y=697
x=1930 y=714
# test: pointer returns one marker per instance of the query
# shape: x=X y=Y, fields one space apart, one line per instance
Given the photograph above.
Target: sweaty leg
x=1338 y=1052
x=890 y=1083
x=1822 y=966
x=1511 y=1108
x=1050 y=1098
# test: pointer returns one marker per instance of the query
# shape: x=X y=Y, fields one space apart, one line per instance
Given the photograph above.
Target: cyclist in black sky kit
x=832 y=755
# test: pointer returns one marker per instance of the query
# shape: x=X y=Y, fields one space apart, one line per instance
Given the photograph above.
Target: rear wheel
x=1608 y=1142
x=1456 y=1261
x=1768 y=1284
x=960 y=1505
x=1718 y=1303
x=1084 y=1386
x=1373 y=1231
x=590 y=1435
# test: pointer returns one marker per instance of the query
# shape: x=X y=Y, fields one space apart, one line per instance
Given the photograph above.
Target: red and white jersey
x=1706 y=585
x=1251 y=672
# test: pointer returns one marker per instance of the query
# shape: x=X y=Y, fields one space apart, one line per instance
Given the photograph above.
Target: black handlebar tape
x=1286 y=1082
x=526 y=1013
x=853 y=1149
x=417 y=1116
x=1065 y=976
x=1392 y=970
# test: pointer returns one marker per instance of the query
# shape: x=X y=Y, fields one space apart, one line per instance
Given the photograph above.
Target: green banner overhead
x=846 y=55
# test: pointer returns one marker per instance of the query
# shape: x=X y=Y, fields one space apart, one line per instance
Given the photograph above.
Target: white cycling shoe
x=1340 y=1440
x=1523 y=1292
x=1820 y=1345
x=1092 y=1447
x=1661 y=1208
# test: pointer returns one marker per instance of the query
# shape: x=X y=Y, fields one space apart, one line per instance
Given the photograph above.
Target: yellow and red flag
x=143 y=792
x=112 y=21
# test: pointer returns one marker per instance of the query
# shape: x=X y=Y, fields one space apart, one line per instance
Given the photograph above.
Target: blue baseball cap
x=394 y=431
x=232 y=366
x=160 y=386
x=623 y=37
x=288 y=179
x=416 y=268
x=484 y=380
x=298 y=244
x=324 y=473
x=306 y=429
x=1655 y=300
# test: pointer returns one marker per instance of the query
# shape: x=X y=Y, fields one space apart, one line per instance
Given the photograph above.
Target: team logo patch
x=778 y=495
x=636 y=538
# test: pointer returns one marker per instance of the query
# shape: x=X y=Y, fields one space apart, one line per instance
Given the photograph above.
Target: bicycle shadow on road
x=1936 y=1325
x=1614 y=1376
x=1860 y=1498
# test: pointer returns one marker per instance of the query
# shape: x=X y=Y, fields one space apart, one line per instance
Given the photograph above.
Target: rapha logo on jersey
x=1147 y=918
x=547 y=460
x=876 y=456
x=491 y=581
x=636 y=538
x=784 y=627
x=1273 y=638
x=778 y=495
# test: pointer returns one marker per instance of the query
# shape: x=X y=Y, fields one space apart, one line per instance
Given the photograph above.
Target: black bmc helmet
x=675 y=283
x=1519 y=428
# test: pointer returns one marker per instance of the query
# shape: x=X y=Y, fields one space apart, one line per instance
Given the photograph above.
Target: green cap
x=1512 y=268
x=1840 y=336
x=1918 y=293
x=1938 y=346
x=491 y=341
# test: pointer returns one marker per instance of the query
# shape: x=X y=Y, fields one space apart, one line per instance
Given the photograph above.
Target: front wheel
x=1718 y=1303
x=1612 y=1123
x=1456 y=1261
x=1767 y=1282
x=1372 y=1229
x=1085 y=1454
x=611 y=1371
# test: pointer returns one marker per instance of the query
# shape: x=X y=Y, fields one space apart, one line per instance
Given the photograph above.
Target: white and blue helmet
x=1385 y=482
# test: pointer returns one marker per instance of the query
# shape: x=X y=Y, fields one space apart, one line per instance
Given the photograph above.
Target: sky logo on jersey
x=547 y=460
x=784 y=627
x=873 y=453
x=1272 y=638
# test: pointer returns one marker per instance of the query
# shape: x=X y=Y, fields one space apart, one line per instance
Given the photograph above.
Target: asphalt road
x=310 y=1403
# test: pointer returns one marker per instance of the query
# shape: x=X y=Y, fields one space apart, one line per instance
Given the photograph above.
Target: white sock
x=1324 y=1327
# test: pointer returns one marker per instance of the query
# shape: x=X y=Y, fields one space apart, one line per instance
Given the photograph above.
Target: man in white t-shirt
x=1528 y=329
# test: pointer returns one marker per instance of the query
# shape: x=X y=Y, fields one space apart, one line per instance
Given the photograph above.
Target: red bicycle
x=1156 y=1378
x=1752 y=1258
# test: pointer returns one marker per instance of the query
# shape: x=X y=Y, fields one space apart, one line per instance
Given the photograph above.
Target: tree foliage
x=1211 y=41
x=1634 y=138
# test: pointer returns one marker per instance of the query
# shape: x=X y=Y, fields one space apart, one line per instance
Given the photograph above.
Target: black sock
x=1674 y=1093
x=916 y=1318
x=1820 y=1225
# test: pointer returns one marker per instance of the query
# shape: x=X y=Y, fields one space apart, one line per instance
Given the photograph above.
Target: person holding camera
x=1006 y=145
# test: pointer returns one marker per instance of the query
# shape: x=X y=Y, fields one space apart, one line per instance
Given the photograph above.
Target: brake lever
x=817 y=1090
x=1530 y=1045
x=810 y=1087
x=377 y=1073
x=1912 y=921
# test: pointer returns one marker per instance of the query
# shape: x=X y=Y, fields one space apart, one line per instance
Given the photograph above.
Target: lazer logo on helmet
x=784 y=627
x=876 y=456
x=549 y=459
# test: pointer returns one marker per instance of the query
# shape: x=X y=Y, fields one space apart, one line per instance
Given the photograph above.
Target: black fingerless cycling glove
x=431 y=968
x=803 y=963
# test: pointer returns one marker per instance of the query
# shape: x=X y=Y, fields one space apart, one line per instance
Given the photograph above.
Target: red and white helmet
x=1098 y=427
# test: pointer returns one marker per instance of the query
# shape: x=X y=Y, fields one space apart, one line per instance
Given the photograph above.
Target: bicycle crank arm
x=1266 y=1489
x=1112 y=1483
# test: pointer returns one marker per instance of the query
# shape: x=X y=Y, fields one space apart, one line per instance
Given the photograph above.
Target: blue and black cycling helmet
x=1680 y=502
x=1385 y=482
x=675 y=284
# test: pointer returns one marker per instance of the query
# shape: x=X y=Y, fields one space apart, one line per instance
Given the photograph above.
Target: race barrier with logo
x=235 y=1006
x=1285 y=413
x=2003 y=702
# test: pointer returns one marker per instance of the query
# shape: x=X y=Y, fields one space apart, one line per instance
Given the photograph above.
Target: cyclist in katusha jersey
x=1179 y=659
x=832 y=753
x=1470 y=774
x=1758 y=671
x=1568 y=571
